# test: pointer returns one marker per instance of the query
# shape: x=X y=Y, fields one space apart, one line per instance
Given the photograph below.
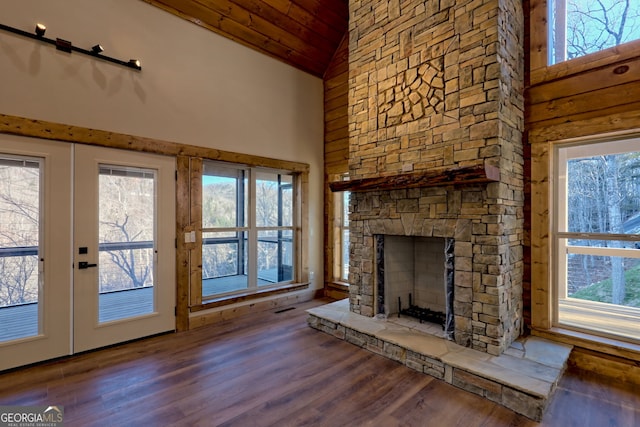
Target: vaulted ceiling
x=302 y=33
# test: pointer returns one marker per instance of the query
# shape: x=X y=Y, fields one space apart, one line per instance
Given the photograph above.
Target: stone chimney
x=436 y=89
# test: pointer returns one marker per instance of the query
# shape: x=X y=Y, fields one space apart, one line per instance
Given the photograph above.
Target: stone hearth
x=522 y=379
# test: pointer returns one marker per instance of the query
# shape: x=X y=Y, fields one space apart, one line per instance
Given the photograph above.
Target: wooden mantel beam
x=432 y=178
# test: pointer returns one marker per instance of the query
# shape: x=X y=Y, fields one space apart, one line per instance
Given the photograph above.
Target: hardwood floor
x=271 y=369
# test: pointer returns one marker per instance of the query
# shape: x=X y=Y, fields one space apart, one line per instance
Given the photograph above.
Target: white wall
x=195 y=87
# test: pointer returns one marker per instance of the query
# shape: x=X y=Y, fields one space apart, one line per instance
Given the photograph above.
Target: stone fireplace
x=436 y=158
x=435 y=151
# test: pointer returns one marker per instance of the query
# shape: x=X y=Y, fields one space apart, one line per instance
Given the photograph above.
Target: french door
x=87 y=255
x=124 y=246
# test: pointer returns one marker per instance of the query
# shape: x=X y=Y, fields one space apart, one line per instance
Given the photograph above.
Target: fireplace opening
x=415 y=278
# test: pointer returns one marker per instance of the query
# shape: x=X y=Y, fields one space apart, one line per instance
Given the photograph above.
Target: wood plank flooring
x=271 y=369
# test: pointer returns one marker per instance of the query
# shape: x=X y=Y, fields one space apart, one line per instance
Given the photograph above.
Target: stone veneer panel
x=487 y=304
x=435 y=83
x=439 y=83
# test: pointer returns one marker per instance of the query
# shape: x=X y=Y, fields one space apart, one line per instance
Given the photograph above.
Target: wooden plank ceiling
x=302 y=33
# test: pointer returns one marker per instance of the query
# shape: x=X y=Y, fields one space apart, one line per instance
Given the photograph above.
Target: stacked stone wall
x=439 y=83
x=482 y=295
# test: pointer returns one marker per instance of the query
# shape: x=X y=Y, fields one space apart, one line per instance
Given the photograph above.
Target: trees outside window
x=598 y=233
x=581 y=27
x=126 y=227
x=19 y=230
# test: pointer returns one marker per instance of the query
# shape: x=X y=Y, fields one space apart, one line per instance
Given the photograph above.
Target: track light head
x=135 y=63
x=40 y=29
x=97 y=49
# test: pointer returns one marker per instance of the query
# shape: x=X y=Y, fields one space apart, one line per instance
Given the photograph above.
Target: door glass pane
x=275 y=256
x=224 y=267
x=19 y=247
x=126 y=242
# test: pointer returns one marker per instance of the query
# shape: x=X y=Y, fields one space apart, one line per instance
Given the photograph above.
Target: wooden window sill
x=343 y=286
x=246 y=296
x=603 y=345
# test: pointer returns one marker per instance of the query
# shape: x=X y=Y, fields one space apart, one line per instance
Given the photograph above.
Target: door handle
x=84 y=264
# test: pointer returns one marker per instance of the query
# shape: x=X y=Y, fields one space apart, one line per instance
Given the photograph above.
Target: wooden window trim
x=580 y=339
x=542 y=212
x=541 y=72
x=333 y=237
x=301 y=277
x=22 y=126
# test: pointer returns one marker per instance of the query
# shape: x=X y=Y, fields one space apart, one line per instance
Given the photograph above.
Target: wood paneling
x=619 y=369
x=195 y=249
x=596 y=92
x=183 y=225
x=233 y=312
x=303 y=33
x=336 y=146
x=271 y=369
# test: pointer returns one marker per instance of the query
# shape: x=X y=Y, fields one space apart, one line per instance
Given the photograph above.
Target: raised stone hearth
x=522 y=379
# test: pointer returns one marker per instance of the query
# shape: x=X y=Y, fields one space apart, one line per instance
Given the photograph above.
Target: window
x=341 y=236
x=597 y=237
x=247 y=228
x=581 y=27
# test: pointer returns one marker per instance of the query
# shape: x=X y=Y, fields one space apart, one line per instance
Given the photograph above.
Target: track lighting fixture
x=67 y=46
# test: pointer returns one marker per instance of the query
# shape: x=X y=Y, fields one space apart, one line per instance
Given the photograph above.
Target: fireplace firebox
x=414 y=277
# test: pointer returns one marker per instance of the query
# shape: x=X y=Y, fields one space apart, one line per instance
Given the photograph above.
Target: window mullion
x=252 y=250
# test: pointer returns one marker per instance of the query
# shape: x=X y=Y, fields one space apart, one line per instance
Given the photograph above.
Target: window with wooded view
x=247 y=228
x=126 y=238
x=341 y=236
x=598 y=237
x=581 y=27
